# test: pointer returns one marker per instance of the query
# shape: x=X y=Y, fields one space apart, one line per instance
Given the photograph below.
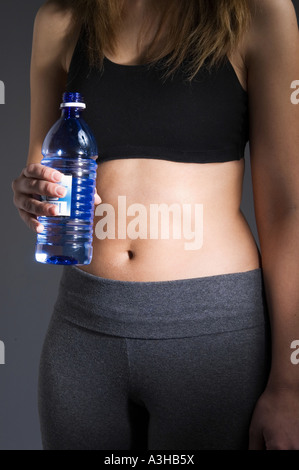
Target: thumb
x=256 y=439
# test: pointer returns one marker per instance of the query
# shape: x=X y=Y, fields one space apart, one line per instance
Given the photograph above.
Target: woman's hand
x=275 y=421
x=34 y=181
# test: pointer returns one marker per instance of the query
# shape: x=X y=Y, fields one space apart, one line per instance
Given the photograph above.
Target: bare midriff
x=132 y=245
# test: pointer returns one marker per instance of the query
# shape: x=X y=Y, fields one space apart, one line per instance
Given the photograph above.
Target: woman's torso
x=207 y=197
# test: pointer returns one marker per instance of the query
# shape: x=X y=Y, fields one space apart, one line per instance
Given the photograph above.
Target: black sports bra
x=135 y=114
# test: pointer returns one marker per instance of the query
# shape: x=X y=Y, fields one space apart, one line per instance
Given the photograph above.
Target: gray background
x=28 y=289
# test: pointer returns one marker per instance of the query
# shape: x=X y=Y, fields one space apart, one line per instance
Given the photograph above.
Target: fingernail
x=56 y=176
x=60 y=191
x=54 y=210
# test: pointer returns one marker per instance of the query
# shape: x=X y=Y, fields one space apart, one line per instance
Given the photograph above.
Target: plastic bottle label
x=63 y=203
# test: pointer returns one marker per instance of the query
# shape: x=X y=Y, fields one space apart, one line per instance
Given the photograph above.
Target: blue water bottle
x=70 y=148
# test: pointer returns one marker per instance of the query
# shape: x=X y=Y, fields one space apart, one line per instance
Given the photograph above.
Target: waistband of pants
x=162 y=309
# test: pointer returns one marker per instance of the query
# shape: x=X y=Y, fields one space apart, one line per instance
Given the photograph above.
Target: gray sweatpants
x=170 y=365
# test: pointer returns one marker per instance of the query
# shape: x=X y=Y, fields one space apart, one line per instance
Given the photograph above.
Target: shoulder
x=268 y=15
x=271 y=6
x=54 y=28
x=273 y=24
x=53 y=16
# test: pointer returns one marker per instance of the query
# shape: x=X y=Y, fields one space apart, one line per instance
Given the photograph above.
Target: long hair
x=202 y=30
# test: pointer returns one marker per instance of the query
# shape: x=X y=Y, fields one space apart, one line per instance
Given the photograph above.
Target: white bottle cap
x=73 y=105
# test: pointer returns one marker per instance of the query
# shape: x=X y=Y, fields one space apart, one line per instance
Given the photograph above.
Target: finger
x=40 y=187
x=31 y=221
x=35 y=207
x=97 y=199
x=42 y=172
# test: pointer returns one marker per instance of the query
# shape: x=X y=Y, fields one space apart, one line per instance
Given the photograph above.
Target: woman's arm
x=272 y=58
x=48 y=75
x=54 y=38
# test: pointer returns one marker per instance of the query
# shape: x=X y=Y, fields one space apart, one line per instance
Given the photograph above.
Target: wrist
x=280 y=381
x=284 y=371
